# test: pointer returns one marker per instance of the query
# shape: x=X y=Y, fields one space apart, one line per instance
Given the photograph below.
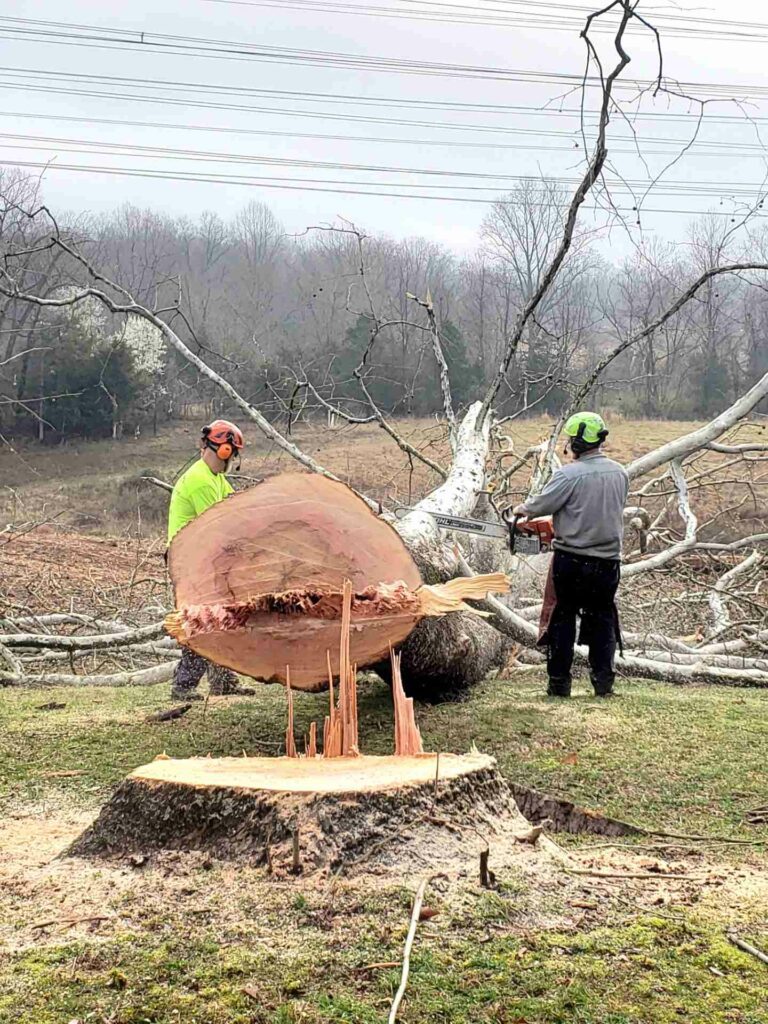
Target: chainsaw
x=530 y=537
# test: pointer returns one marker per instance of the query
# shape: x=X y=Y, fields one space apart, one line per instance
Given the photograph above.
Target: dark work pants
x=191 y=669
x=584 y=587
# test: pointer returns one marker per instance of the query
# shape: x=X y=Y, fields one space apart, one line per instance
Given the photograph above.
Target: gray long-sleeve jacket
x=586 y=499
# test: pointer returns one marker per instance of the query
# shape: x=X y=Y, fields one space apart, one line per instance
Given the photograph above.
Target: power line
x=701 y=145
x=103 y=148
x=689 y=26
x=280 y=183
x=72 y=34
x=346 y=99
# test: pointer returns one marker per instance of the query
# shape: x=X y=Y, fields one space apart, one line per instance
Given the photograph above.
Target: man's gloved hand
x=519 y=510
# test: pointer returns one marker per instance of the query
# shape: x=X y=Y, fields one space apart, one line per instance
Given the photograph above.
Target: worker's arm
x=551 y=499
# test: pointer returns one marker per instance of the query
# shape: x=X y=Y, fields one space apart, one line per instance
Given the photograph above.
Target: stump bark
x=340 y=812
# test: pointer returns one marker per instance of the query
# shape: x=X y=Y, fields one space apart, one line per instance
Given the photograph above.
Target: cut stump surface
x=385 y=810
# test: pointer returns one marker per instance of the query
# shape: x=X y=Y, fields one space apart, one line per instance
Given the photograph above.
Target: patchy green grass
x=679 y=758
x=210 y=947
x=649 y=970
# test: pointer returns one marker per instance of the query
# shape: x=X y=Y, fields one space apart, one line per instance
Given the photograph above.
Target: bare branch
x=589 y=178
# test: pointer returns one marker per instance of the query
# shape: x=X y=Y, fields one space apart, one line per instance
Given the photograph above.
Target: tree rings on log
x=342 y=812
x=258 y=581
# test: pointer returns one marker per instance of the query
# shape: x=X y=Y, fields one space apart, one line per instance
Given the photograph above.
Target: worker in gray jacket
x=586 y=499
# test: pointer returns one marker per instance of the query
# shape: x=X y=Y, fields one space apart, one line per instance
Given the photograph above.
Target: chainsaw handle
x=511 y=520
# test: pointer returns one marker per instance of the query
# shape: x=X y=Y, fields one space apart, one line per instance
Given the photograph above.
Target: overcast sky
x=43 y=76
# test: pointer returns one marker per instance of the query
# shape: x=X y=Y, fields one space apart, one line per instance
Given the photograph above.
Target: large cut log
x=258 y=581
x=305 y=812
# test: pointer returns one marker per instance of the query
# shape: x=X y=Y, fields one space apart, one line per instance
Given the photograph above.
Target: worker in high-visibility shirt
x=202 y=485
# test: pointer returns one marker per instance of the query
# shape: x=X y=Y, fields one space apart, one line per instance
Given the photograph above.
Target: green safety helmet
x=588 y=427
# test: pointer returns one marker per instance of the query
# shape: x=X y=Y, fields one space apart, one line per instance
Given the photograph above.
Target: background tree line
x=292 y=320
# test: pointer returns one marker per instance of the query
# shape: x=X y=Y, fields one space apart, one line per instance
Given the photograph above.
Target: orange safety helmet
x=224 y=438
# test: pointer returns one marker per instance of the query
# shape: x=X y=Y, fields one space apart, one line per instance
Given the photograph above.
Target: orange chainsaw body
x=542 y=528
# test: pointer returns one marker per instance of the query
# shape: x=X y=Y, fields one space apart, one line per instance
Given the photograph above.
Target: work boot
x=183 y=696
x=559 y=687
x=603 y=687
x=224 y=683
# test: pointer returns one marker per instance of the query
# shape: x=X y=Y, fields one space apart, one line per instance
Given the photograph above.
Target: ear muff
x=224 y=451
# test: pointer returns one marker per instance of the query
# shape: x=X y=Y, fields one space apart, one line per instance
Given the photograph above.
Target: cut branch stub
x=259 y=579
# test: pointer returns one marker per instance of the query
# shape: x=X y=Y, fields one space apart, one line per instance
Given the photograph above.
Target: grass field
x=211 y=943
x=86 y=480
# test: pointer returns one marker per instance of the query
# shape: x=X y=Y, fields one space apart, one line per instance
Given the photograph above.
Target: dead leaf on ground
x=570 y=759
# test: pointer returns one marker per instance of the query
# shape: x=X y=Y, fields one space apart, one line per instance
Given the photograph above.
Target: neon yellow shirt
x=195 y=491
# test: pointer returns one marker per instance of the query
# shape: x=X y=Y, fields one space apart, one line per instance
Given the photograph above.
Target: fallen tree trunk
x=443 y=658
x=258 y=581
x=457 y=495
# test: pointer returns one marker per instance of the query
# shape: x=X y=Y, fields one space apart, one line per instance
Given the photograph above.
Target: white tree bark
x=721 y=617
x=137 y=677
x=457 y=495
x=701 y=437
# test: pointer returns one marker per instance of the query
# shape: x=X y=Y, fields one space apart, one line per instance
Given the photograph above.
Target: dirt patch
x=49 y=570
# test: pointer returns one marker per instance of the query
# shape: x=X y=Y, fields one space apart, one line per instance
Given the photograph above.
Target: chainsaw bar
x=476 y=526
x=520 y=542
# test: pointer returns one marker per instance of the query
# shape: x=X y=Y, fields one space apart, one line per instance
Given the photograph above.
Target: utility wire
x=700 y=145
x=302 y=186
x=347 y=99
x=102 y=148
x=132 y=40
x=687 y=26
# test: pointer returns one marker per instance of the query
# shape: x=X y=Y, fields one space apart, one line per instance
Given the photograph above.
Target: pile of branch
x=139 y=656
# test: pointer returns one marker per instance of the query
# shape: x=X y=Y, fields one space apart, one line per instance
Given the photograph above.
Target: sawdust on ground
x=45 y=897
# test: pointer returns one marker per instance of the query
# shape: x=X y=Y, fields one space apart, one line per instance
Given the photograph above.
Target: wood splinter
x=311 y=749
x=296 y=860
x=290 y=743
x=340 y=737
x=407 y=736
x=487 y=877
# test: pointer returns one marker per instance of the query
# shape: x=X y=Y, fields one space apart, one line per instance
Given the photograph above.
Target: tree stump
x=322 y=814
